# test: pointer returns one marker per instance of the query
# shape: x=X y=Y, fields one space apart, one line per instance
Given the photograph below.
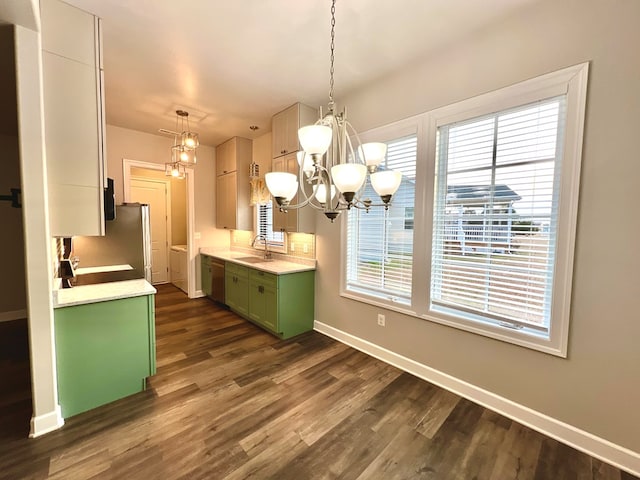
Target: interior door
x=155 y=194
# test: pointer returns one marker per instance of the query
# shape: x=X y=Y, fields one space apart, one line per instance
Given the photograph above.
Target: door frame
x=167 y=222
x=127 y=165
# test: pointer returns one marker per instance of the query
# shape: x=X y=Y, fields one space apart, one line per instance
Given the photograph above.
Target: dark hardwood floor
x=233 y=402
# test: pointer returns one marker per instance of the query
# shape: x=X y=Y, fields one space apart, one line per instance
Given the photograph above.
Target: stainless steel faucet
x=267 y=253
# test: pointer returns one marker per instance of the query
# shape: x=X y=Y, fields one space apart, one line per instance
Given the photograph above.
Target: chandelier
x=183 y=151
x=332 y=174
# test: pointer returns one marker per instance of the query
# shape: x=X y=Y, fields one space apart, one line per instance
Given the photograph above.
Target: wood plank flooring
x=233 y=402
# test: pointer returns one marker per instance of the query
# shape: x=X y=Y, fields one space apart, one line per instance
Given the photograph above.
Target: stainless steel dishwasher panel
x=217 y=280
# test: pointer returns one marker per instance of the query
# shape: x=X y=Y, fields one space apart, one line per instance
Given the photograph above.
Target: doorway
x=180 y=211
x=157 y=194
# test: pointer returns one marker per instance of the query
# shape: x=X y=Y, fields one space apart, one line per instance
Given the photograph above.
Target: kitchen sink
x=254 y=259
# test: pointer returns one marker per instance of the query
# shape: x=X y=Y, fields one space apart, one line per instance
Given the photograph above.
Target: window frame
x=571 y=81
x=278 y=247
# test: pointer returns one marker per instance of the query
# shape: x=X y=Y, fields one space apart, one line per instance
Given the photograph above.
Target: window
x=264 y=226
x=380 y=242
x=496 y=174
x=480 y=235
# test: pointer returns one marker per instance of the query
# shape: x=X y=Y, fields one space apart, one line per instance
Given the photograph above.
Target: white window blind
x=264 y=223
x=495 y=215
x=380 y=242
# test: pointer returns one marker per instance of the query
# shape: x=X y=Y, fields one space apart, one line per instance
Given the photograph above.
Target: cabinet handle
x=261 y=289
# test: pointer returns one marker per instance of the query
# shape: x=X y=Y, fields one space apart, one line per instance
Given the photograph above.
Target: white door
x=155 y=194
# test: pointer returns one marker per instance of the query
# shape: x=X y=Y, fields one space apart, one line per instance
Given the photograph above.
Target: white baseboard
x=586 y=442
x=13 y=315
x=46 y=423
x=198 y=294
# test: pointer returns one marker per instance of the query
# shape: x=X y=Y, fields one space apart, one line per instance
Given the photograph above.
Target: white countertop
x=277 y=266
x=101 y=269
x=101 y=292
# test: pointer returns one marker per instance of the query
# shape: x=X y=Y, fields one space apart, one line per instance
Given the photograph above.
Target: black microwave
x=109 y=201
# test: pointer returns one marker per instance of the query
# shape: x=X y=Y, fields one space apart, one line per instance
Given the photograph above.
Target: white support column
x=38 y=261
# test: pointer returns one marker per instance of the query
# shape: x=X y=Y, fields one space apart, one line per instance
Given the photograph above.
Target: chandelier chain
x=333 y=35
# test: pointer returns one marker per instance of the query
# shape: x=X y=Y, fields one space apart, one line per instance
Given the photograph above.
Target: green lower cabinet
x=236 y=288
x=282 y=304
x=205 y=274
x=104 y=351
x=263 y=304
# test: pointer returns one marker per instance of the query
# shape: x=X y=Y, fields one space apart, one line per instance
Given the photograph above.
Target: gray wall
x=597 y=388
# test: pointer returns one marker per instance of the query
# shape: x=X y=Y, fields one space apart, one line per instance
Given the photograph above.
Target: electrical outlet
x=305 y=248
x=381 y=320
x=197 y=235
x=293 y=247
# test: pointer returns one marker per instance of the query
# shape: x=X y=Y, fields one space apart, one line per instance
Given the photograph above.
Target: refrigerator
x=127 y=241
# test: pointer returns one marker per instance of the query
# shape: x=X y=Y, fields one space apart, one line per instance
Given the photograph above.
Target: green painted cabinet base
x=281 y=304
x=104 y=351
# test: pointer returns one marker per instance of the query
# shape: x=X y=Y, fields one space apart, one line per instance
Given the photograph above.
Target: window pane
x=264 y=222
x=494 y=219
x=380 y=242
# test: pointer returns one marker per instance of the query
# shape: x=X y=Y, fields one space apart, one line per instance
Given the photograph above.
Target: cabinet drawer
x=237 y=270
x=263 y=278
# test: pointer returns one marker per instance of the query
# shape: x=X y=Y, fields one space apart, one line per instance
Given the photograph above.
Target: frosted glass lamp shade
x=315 y=139
x=282 y=185
x=348 y=177
x=372 y=153
x=321 y=193
x=386 y=182
x=306 y=163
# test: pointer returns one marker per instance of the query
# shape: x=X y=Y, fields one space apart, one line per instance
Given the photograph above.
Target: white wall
x=134 y=145
x=597 y=388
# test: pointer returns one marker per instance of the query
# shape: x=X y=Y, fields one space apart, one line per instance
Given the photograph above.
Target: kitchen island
x=105 y=342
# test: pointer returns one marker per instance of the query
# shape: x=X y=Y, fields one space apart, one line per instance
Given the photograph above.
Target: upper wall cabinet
x=233 y=158
x=285 y=125
x=74 y=119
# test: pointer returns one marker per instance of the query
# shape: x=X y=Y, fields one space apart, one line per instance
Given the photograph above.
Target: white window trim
x=571 y=81
x=273 y=247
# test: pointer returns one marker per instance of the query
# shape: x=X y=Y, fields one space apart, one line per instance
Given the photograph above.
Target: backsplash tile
x=300 y=245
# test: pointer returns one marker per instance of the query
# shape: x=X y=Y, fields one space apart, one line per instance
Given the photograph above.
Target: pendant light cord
x=333 y=35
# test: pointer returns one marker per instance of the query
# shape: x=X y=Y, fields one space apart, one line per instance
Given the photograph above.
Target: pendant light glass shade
x=386 y=182
x=305 y=162
x=183 y=155
x=282 y=185
x=175 y=170
x=190 y=140
x=372 y=154
x=349 y=177
x=321 y=193
x=315 y=139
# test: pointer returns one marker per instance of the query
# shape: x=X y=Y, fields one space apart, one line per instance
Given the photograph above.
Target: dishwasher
x=217 y=280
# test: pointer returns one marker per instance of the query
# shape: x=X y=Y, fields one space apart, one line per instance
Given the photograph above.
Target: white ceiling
x=234 y=63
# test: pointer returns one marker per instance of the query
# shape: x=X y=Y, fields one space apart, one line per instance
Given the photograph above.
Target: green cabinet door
x=104 y=351
x=263 y=304
x=205 y=274
x=236 y=284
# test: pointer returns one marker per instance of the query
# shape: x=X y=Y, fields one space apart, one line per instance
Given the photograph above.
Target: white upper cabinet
x=285 y=125
x=74 y=119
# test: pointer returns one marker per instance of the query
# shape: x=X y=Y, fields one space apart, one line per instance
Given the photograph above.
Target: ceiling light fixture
x=329 y=164
x=183 y=151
